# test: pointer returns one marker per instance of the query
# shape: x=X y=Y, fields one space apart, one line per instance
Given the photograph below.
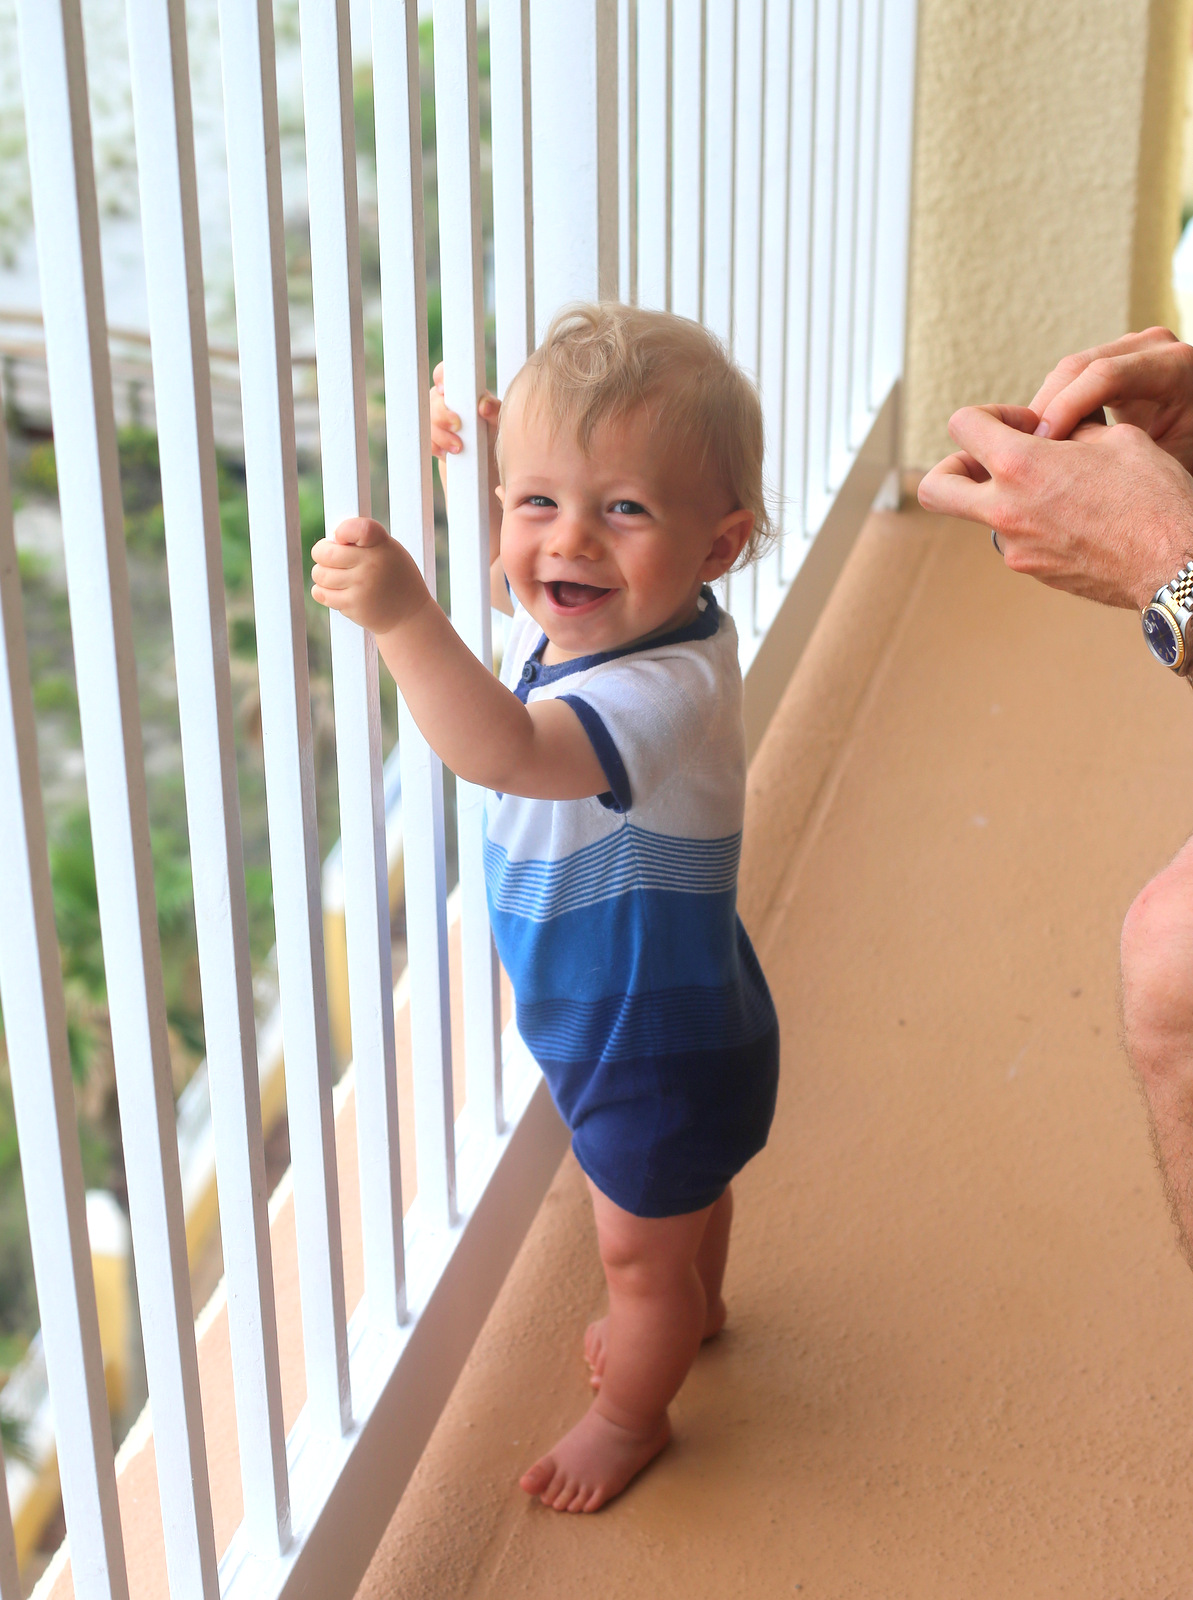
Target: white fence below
x=741 y=161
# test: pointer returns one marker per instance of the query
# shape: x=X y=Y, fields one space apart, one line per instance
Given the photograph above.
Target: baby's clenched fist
x=367 y=576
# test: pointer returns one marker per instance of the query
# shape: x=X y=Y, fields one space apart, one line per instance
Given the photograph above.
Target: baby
x=630 y=458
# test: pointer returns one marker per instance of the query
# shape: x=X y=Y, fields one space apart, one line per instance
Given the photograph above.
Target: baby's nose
x=571 y=535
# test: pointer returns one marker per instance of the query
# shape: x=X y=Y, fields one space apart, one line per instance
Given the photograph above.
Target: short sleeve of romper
x=637 y=989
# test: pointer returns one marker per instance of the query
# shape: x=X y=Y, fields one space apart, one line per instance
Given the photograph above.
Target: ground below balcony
x=959 y=1360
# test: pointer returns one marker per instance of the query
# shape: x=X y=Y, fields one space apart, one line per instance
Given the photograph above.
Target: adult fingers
x=994 y=435
x=952 y=489
x=1156 y=376
x=1072 y=367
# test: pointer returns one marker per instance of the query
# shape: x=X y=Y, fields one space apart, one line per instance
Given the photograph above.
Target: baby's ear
x=728 y=543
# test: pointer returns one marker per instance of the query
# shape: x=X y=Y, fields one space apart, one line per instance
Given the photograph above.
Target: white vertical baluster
x=343 y=428
x=408 y=434
x=654 y=153
x=799 y=283
x=174 y=282
x=822 y=262
x=860 y=411
x=720 y=166
x=259 y=271
x=896 y=98
x=44 y=1103
x=573 y=83
x=776 y=146
x=67 y=231
x=627 y=150
x=848 y=87
x=747 y=187
x=687 y=157
x=513 y=238
x=720 y=129
x=457 y=154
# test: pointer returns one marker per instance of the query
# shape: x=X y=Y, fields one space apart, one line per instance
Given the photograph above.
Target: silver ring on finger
x=994 y=541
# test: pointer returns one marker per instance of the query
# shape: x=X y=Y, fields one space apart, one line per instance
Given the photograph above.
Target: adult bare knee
x=1157 y=965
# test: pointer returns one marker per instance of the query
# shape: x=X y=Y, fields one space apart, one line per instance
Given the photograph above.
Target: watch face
x=1163 y=636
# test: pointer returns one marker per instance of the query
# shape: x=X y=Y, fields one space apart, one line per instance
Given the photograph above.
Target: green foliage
x=310 y=515
x=234 y=537
x=76 y=905
x=14 y=1437
x=76 y=911
x=55 y=691
x=434 y=325
x=242 y=637
x=362 y=109
x=18 y=1299
x=40 y=469
x=426 y=72
x=258 y=885
x=140 y=470
x=31 y=564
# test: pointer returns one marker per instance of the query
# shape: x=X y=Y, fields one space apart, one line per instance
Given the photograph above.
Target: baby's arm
x=478 y=728
x=445 y=441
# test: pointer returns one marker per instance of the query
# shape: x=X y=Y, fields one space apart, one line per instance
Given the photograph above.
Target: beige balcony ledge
x=960 y=1345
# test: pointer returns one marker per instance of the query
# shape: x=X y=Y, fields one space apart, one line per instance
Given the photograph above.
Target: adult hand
x=1106 y=514
x=1145 y=379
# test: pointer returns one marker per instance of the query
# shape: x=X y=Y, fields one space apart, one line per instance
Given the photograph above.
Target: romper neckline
x=535 y=674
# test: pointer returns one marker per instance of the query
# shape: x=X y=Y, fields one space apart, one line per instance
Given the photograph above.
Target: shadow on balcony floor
x=960 y=1354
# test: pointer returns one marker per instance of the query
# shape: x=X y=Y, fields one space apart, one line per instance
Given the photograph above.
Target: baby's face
x=610 y=546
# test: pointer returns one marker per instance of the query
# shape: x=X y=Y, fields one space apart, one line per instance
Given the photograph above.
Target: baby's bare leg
x=710 y=1264
x=657 y=1312
x=710 y=1261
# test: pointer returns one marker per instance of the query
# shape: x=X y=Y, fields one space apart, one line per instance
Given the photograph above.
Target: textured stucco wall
x=1046 y=198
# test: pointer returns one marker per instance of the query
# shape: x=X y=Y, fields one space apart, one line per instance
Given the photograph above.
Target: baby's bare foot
x=596 y=1337
x=593 y=1462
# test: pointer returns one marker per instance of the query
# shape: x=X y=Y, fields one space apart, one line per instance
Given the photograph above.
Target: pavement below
x=959 y=1360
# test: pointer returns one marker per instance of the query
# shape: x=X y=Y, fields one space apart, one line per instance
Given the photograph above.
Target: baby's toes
x=536 y=1479
x=559 y=1492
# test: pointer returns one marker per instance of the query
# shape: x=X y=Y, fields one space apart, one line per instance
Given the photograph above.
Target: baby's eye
x=627 y=508
x=538 y=500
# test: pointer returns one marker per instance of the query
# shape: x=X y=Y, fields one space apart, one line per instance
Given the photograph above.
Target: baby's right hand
x=445 y=424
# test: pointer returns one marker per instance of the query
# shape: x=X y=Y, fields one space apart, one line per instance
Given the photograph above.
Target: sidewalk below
x=959 y=1360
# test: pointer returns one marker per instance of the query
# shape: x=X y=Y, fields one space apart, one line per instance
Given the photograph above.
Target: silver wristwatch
x=1166 y=623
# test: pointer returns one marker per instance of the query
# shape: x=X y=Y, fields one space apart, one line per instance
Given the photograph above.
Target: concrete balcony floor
x=959 y=1360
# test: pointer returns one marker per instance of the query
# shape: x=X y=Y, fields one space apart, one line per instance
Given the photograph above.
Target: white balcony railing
x=744 y=161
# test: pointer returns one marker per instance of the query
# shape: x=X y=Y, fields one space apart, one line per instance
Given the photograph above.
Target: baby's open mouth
x=575 y=596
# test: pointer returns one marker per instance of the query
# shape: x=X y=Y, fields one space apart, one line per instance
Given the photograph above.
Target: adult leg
x=657 y=1311
x=710 y=1264
x=1157 y=957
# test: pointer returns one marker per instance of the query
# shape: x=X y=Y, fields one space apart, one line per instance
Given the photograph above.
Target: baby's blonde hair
x=598 y=363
